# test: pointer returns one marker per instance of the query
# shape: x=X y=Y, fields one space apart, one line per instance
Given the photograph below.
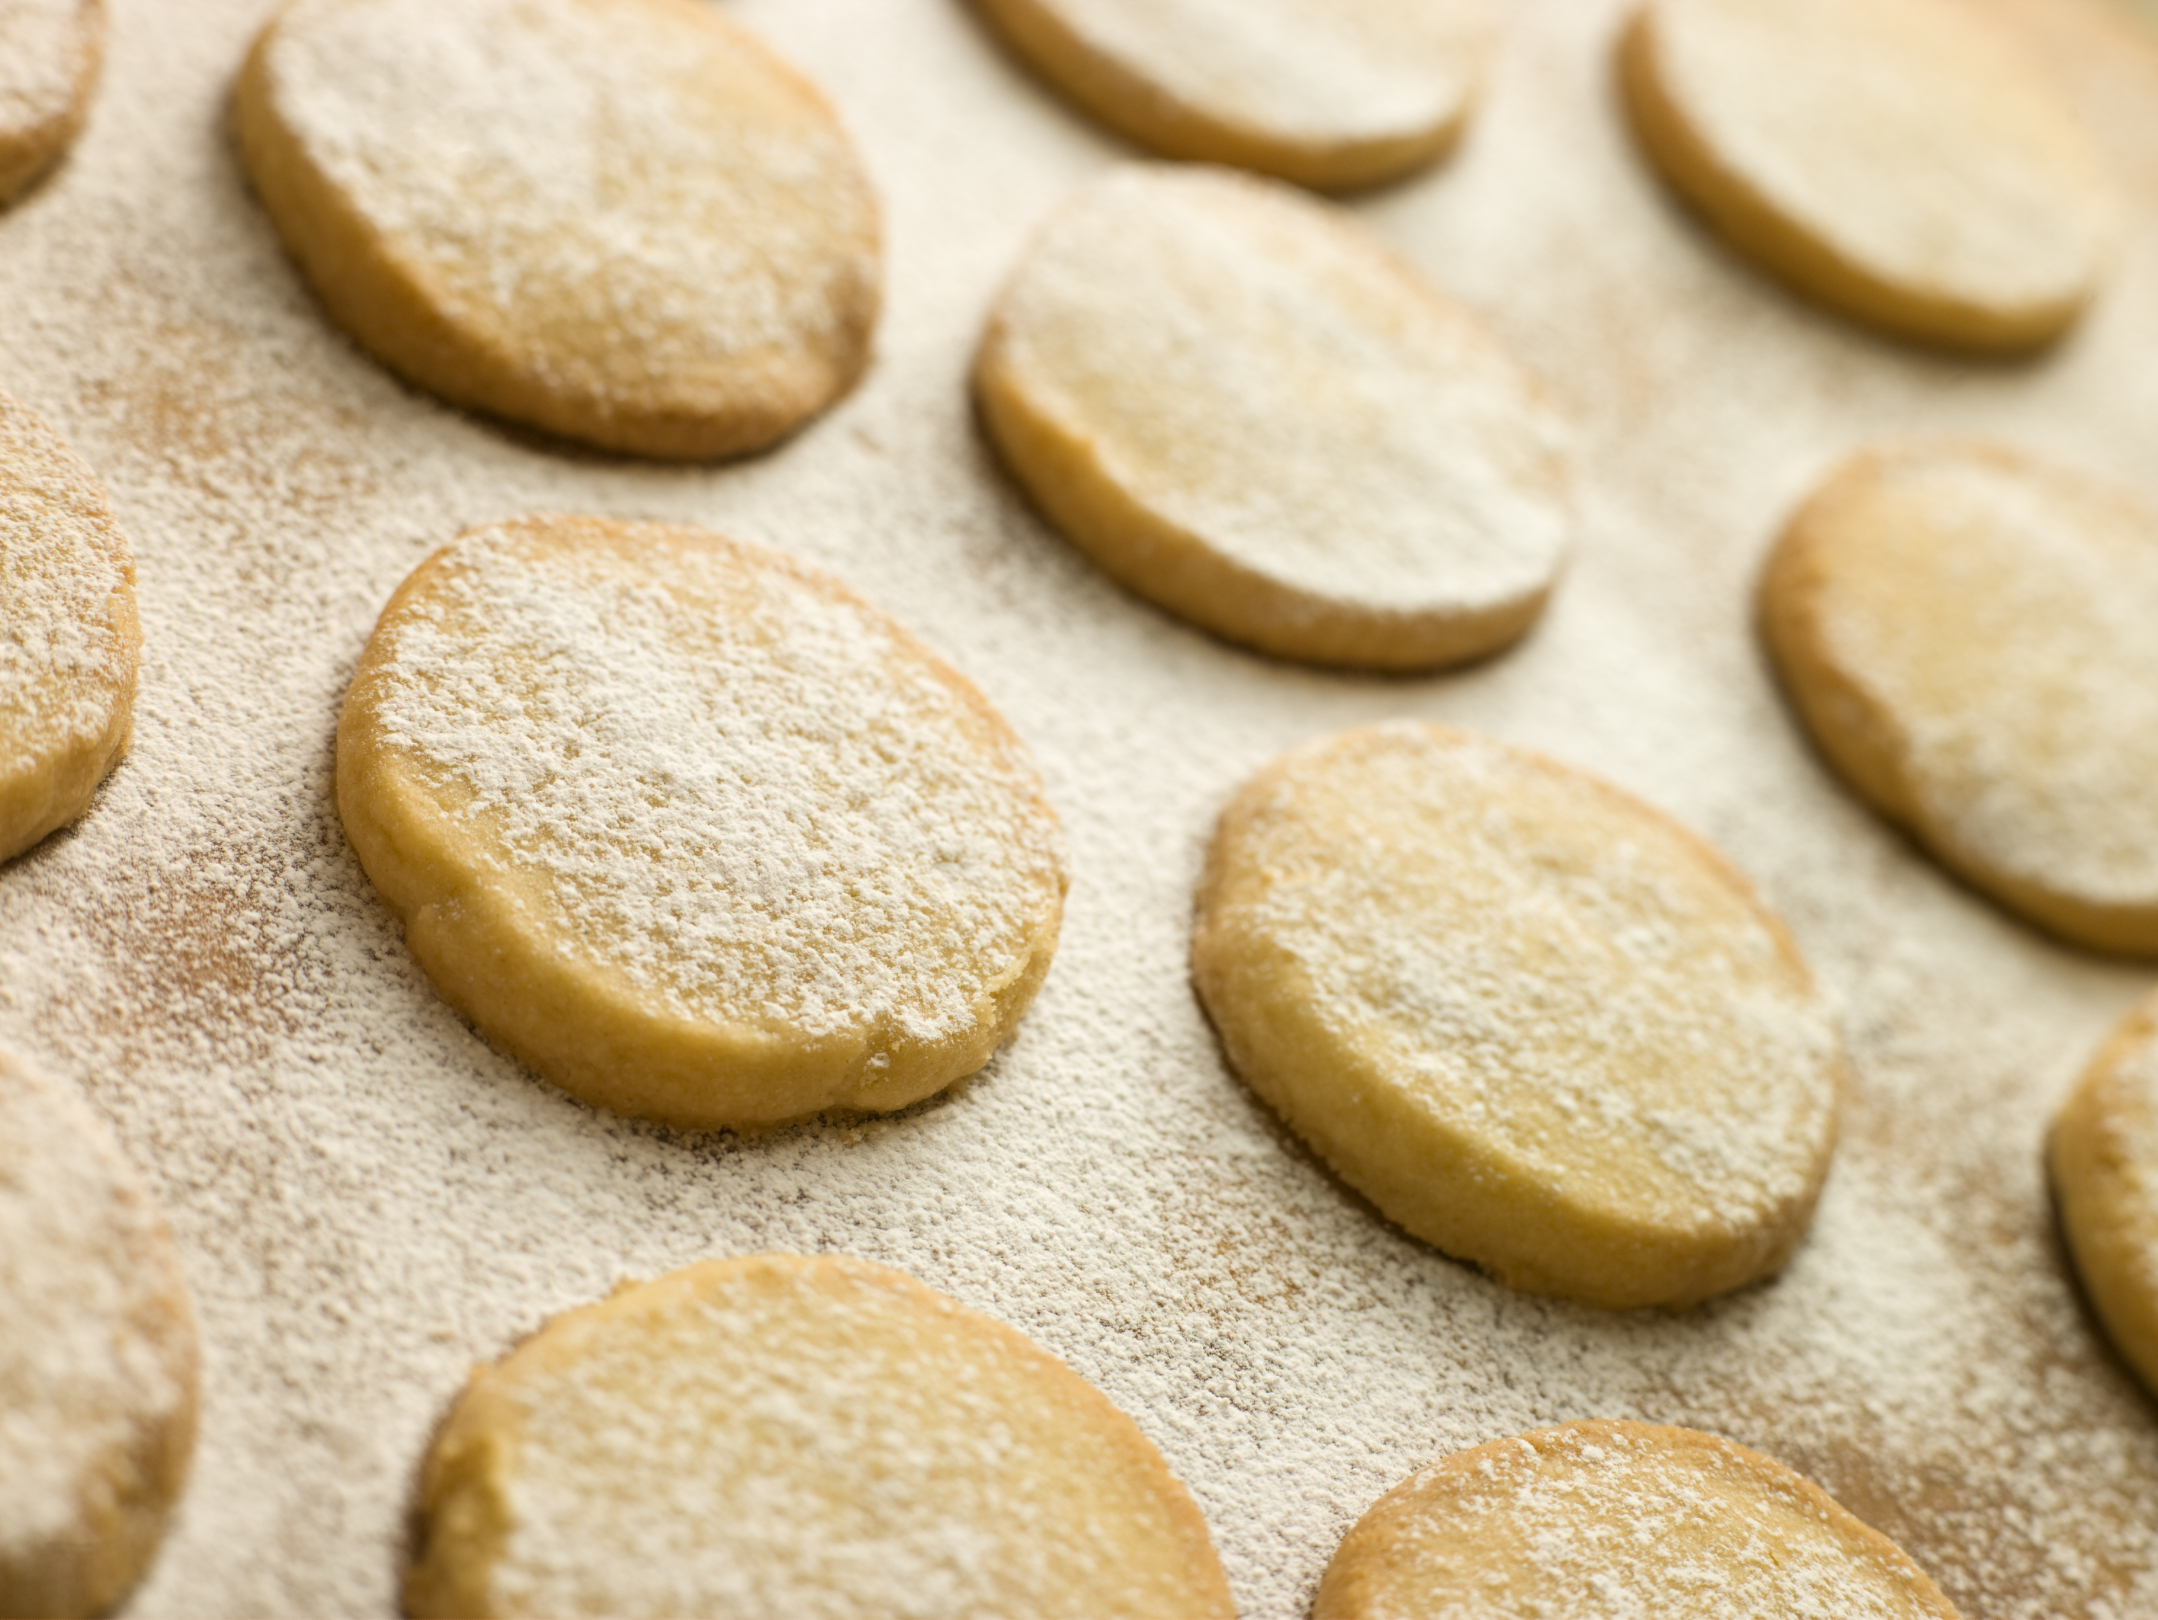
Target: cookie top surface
x=50 y=51
x=1967 y=632
x=1537 y=1022
x=1620 y=1521
x=1897 y=156
x=813 y=1437
x=1275 y=407
x=98 y=1358
x=698 y=786
x=623 y=220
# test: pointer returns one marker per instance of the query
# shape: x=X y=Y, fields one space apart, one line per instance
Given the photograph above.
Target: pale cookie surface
x=1247 y=410
x=98 y=1359
x=70 y=642
x=1968 y=635
x=626 y=221
x=1537 y=1023
x=1618 y=1521
x=2103 y=1155
x=691 y=828
x=50 y=52
x=820 y=1438
x=1896 y=159
x=1328 y=93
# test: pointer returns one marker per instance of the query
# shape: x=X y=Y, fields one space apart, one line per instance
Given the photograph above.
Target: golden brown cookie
x=626 y=221
x=50 y=53
x=1603 y=1520
x=1967 y=633
x=1897 y=160
x=1250 y=412
x=1334 y=94
x=807 y=1437
x=693 y=829
x=69 y=639
x=98 y=1359
x=1536 y=1022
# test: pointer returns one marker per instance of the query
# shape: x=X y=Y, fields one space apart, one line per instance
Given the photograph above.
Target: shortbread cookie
x=1896 y=159
x=1248 y=411
x=626 y=221
x=1329 y=93
x=1536 y=1022
x=2103 y=1155
x=816 y=1438
x=1969 y=636
x=98 y=1360
x=69 y=638
x=1597 y=1521
x=691 y=828
x=50 y=52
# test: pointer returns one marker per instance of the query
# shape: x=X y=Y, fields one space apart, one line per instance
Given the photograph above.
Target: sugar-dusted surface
x=368 y=1199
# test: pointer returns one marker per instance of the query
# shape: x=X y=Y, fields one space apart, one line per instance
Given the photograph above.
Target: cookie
x=786 y=1436
x=691 y=828
x=1897 y=160
x=1334 y=94
x=69 y=639
x=623 y=221
x=1249 y=412
x=98 y=1359
x=1617 y=1519
x=50 y=53
x=1966 y=633
x=1537 y=1023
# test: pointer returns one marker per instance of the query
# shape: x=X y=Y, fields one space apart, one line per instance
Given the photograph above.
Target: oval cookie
x=98 y=1360
x=1334 y=94
x=1537 y=1023
x=1968 y=636
x=625 y=221
x=50 y=53
x=784 y=1436
x=1896 y=159
x=70 y=642
x=1248 y=411
x=1617 y=1519
x=2103 y=1156
x=691 y=828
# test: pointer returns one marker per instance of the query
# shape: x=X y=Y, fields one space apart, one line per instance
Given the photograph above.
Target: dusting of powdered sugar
x=44 y=46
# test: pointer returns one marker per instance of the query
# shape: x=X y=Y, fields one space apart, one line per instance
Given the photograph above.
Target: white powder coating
x=44 y=51
x=1908 y=136
x=1251 y=368
x=719 y=775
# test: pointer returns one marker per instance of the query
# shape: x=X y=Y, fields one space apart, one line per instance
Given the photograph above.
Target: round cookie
x=625 y=221
x=1597 y=1519
x=1334 y=94
x=50 y=53
x=69 y=639
x=691 y=828
x=1536 y=1022
x=98 y=1360
x=808 y=1437
x=1248 y=411
x=1895 y=159
x=2103 y=1156
x=1967 y=634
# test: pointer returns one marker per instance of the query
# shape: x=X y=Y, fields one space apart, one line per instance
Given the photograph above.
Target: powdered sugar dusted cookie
x=50 y=52
x=1328 y=93
x=784 y=1436
x=1896 y=159
x=98 y=1359
x=1250 y=412
x=693 y=829
x=626 y=221
x=1617 y=1519
x=1968 y=635
x=1536 y=1022
x=69 y=638
x=2103 y=1155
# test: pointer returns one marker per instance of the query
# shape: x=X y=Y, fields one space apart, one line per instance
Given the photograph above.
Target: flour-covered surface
x=368 y=1198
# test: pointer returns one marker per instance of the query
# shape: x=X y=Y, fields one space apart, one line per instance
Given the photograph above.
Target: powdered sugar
x=43 y=46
